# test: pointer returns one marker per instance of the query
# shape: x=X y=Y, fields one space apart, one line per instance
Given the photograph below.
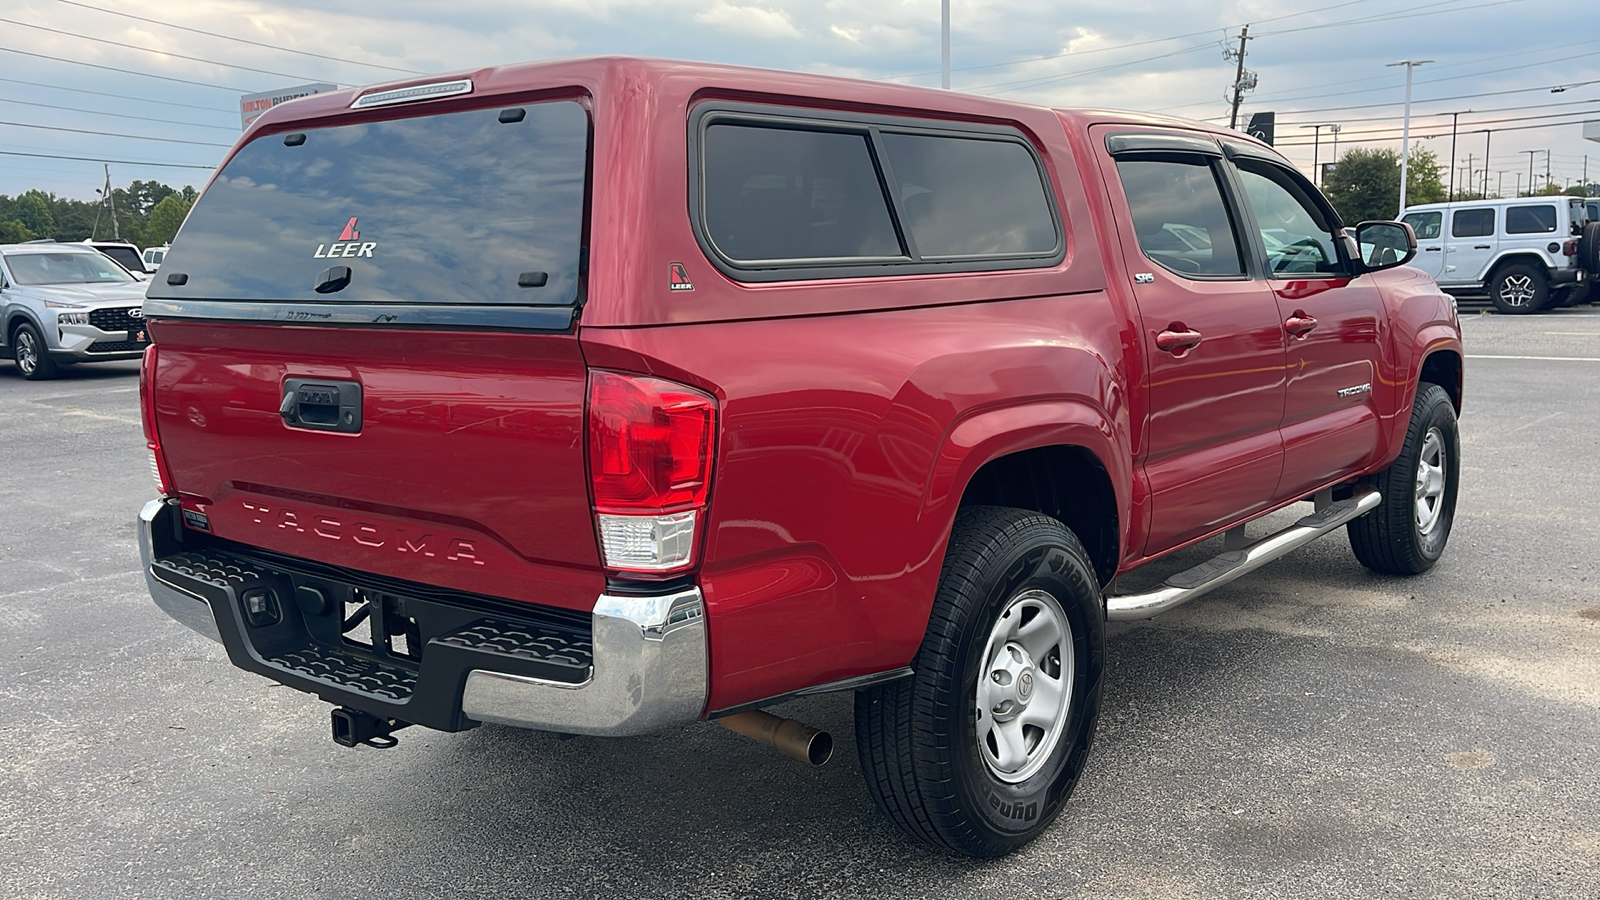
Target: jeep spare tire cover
x=1589 y=248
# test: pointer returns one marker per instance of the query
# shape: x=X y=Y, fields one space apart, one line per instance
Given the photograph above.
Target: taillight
x=147 y=414
x=1570 y=248
x=650 y=450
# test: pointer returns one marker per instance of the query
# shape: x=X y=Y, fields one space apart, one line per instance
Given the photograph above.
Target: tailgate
x=467 y=470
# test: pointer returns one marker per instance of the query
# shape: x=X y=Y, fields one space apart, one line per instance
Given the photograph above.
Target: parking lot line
x=1539 y=358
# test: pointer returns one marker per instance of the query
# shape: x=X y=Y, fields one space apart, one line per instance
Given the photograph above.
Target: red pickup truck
x=607 y=395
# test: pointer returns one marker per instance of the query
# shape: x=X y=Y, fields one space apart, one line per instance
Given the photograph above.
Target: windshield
x=65 y=267
x=477 y=207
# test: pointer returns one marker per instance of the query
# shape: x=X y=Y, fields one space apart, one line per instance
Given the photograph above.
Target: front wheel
x=30 y=354
x=978 y=751
x=1406 y=534
x=1518 y=289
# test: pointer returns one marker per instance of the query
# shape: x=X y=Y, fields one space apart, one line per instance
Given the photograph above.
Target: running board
x=1219 y=570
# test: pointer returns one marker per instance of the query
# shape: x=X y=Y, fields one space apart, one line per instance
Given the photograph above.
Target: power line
x=1344 y=120
x=1376 y=140
x=137 y=137
x=221 y=87
x=96 y=112
x=226 y=37
x=1026 y=83
x=1545 y=87
x=127 y=46
x=58 y=87
x=1466 y=127
x=1411 y=13
x=96 y=159
x=1144 y=43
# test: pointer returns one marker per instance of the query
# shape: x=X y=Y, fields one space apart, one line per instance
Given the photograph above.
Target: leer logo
x=677 y=277
x=349 y=244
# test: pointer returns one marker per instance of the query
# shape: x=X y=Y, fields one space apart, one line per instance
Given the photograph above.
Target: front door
x=1428 y=224
x=1213 y=341
x=1334 y=323
x=1471 y=245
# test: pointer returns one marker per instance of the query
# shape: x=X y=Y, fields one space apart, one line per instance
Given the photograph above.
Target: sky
x=1528 y=70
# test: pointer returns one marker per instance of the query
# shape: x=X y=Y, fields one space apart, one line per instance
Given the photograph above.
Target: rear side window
x=965 y=197
x=1472 y=223
x=483 y=207
x=1426 y=224
x=1179 y=216
x=790 y=194
x=1530 y=219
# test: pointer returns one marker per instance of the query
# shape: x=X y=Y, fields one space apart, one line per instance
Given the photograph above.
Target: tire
x=961 y=779
x=1519 y=288
x=29 y=352
x=1589 y=249
x=1407 y=533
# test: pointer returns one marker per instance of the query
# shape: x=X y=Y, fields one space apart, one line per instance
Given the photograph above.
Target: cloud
x=752 y=21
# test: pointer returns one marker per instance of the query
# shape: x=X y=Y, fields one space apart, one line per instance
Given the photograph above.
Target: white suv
x=1522 y=252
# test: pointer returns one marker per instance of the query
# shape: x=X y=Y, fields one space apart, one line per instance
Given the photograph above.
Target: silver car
x=63 y=303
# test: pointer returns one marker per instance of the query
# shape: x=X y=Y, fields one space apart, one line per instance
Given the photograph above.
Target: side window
x=1179 y=215
x=1472 y=223
x=1298 y=237
x=1530 y=219
x=792 y=194
x=1427 y=225
x=970 y=197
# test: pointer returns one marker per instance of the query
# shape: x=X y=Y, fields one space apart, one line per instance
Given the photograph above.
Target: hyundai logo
x=136 y=313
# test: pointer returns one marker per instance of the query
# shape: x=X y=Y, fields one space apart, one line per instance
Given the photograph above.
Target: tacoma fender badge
x=1358 y=389
x=1143 y=278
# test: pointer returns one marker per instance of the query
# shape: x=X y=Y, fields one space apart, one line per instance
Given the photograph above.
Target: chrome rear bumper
x=649 y=669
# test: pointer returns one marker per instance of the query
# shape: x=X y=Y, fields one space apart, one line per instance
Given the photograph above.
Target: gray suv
x=61 y=303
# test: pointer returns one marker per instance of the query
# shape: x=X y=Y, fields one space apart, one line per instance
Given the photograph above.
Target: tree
x=1366 y=183
x=13 y=232
x=33 y=211
x=165 y=219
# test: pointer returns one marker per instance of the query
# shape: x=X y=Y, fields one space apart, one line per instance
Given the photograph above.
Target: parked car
x=685 y=390
x=1522 y=252
x=125 y=254
x=153 y=257
x=65 y=303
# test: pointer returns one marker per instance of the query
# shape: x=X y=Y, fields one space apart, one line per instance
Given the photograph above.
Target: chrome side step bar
x=1221 y=569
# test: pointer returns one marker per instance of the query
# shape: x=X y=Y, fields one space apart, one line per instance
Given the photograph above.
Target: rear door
x=1471 y=245
x=366 y=350
x=1213 y=342
x=1334 y=322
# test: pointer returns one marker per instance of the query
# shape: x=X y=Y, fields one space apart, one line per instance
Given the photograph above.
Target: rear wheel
x=1406 y=534
x=1519 y=288
x=30 y=354
x=978 y=751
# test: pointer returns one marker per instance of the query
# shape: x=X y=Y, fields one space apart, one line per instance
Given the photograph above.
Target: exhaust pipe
x=787 y=736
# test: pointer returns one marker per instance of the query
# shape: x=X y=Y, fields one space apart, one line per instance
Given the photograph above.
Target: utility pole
x=1335 y=129
x=1546 y=169
x=944 y=44
x=1405 y=131
x=111 y=201
x=1316 y=141
x=1488 y=134
x=1519 y=184
x=1468 y=179
x=1453 y=117
x=1530 y=172
x=1500 y=186
x=1238 y=78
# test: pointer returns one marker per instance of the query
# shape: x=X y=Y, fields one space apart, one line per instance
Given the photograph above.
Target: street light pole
x=1405 y=131
x=1454 y=116
x=944 y=44
x=1316 y=142
x=1530 y=173
x=1488 y=135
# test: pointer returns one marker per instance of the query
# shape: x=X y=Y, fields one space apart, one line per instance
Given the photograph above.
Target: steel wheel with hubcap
x=1518 y=289
x=1023 y=700
x=978 y=751
x=1406 y=534
x=29 y=352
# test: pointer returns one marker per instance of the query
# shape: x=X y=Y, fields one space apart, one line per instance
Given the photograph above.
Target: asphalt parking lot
x=1311 y=730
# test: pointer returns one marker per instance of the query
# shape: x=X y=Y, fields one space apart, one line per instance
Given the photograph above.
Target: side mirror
x=1384 y=245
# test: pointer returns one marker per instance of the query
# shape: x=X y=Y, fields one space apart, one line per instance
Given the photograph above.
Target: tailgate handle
x=321 y=405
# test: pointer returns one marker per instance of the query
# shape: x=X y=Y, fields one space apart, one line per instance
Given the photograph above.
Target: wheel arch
x=1057 y=457
x=1442 y=365
x=1516 y=257
x=16 y=319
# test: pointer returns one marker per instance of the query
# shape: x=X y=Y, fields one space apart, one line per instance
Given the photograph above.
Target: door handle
x=1178 y=340
x=1482 y=246
x=1299 y=324
x=1431 y=249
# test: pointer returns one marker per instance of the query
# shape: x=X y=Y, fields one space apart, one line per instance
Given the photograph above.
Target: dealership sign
x=253 y=105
